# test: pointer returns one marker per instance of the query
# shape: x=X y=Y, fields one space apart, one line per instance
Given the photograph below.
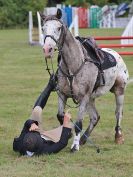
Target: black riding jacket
x=48 y=146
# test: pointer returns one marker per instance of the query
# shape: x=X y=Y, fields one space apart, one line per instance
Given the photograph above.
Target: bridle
x=60 y=44
x=61 y=39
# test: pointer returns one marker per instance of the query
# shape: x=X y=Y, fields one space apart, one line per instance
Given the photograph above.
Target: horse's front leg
x=61 y=106
x=94 y=118
x=78 y=124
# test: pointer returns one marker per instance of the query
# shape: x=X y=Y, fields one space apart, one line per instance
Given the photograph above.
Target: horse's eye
x=59 y=28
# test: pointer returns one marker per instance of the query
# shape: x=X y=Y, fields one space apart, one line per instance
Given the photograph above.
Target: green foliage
x=7 y=10
x=119 y=1
x=79 y=3
x=100 y=3
x=15 y=12
x=86 y=3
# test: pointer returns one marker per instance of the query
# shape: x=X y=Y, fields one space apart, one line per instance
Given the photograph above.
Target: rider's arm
x=66 y=133
x=56 y=147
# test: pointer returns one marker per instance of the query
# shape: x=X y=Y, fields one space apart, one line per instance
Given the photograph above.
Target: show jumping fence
x=116 y=45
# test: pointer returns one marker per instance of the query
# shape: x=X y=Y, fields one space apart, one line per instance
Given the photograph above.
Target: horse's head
x=52 y=29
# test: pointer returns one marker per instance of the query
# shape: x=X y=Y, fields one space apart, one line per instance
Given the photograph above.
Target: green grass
x=22 y=78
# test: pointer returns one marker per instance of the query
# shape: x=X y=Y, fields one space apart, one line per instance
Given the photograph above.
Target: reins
x=57 y=88
x=47 y=67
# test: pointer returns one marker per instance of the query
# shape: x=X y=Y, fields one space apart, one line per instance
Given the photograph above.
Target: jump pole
x=113 y=37
x=125 y=53
x=115 y=45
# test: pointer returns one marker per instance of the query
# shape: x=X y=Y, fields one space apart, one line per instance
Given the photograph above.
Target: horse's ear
x=59 y=13
x=42 y=16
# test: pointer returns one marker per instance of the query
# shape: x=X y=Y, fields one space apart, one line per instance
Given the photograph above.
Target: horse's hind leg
x=119 y=113
x=94 y=118
x=118 y=90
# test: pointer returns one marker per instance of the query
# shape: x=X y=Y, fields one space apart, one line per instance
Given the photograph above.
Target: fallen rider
x=33 y=140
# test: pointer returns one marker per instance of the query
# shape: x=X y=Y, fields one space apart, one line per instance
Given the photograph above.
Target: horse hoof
x=74 y=149
x=119 y=139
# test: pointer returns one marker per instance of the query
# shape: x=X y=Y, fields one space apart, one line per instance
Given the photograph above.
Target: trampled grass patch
x=22 y=78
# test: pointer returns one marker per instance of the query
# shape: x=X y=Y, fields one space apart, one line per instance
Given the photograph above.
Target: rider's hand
x=33 y=127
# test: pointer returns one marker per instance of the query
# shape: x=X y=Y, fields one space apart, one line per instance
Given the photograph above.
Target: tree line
x=14 y=13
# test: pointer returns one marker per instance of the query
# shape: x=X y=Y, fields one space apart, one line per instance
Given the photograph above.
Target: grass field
x=22 y=78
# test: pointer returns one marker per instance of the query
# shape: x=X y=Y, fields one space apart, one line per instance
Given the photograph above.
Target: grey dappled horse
x=77 y=76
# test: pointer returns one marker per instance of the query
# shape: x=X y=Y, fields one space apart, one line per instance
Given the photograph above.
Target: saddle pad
x=106 y=61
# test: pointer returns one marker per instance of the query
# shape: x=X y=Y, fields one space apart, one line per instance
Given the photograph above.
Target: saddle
x=103 y=60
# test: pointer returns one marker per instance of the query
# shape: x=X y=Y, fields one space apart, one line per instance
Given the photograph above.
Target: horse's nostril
x=50 y=49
